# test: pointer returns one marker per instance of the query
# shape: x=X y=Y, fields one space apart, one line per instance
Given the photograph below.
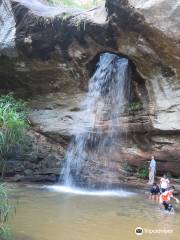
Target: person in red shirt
x=166 y=197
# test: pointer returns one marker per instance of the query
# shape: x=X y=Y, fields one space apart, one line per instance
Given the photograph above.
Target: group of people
x=162 y=192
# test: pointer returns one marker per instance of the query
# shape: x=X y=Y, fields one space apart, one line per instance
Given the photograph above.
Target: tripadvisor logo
x=139 y=231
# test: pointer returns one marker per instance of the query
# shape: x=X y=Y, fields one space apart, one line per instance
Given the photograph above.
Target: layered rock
x=47 y=55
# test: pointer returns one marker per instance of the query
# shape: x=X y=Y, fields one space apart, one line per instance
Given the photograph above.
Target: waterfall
x=98 y=134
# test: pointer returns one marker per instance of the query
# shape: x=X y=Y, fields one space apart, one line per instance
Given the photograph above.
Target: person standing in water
x=154 y=192
x=165 y=199
x=164 y=183
x=152 y=171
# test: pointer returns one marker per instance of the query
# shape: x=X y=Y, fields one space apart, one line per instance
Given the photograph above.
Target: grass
x=6 y=210
x=86 y=4
x=13 y=122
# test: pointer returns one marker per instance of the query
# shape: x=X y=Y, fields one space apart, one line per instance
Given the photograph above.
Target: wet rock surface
x=48 y=54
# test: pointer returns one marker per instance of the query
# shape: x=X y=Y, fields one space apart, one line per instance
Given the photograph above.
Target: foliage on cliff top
x=13 y=122
x=85 y=4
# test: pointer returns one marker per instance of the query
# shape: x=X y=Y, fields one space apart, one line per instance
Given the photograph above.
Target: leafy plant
x=143 y=172
x=6 y=209
x=135 y=106
x=127 y=167
x=13 y=122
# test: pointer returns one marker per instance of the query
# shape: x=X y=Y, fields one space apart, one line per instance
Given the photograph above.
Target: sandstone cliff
x=47 y=55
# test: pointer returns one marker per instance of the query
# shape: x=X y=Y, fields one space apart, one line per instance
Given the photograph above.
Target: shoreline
x=137 y=185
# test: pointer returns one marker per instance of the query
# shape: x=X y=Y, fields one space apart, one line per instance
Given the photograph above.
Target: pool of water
x=47 y=214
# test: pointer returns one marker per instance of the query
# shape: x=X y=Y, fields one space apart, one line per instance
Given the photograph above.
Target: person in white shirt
x=152 y=171
x=164 y=183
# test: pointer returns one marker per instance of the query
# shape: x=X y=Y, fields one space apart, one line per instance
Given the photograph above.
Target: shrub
x=135 y=106
x=13 y=122
x=143 y=172
x=128 y=168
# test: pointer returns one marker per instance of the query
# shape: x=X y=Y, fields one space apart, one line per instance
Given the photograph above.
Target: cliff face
x=47 y=55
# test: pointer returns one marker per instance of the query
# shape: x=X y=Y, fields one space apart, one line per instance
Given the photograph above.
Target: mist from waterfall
x=97 y=133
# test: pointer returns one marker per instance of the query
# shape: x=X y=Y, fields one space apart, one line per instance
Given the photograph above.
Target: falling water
x=98 y=132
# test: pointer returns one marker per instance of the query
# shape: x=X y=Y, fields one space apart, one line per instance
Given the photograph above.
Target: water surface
x=49 y=215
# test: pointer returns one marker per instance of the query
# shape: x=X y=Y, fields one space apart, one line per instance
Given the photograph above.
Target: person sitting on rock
x=164 y=183
x=155 y=191
x=166 y=197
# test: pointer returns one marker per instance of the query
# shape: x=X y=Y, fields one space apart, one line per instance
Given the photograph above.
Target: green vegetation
x=6 y=209
x=13 y=122
x=127 y=167
x=143 y=172
x=177 y=180
x=85 y=4
x=169 y=175
x=135 y=106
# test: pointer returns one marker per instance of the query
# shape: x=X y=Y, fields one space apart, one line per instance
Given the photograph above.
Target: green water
x=47 y=215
